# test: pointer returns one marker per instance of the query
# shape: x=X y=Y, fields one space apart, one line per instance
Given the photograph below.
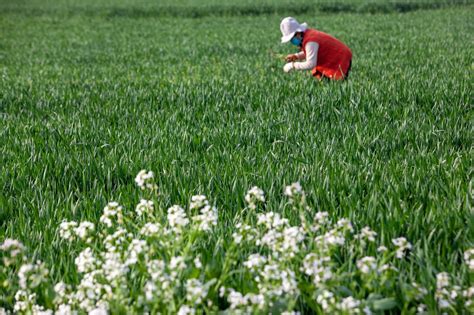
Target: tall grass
x=202 y=8
x=86 y=101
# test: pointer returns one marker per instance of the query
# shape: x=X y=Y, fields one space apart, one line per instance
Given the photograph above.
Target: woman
x=325 y=55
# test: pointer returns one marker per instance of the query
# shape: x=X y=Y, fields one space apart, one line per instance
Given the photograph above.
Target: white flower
x=367 y=264
x=151 y=229
x=243 y=303
x=293 y=190
x=161 y=284
x=271 y=239
x=317 y=267
x=421 y=309
x=366 y=234
x=65 y=309
x=420 y=292
x=402 y=246
x=469 y=258
x=271 y=220
x=12 y=246
x=177 y=264
x=113 y=267
x=443 y=303
x=333 y=237
x=345 y=225
x=469 y=292
x=244 y=233
x=91 y=293
x=98 y=311
x=151 y=290
x=254 y=196
x=196 y=292
x=292 y=237
x=255 y=261
x=67 y=230
x=207 y=219
x=186 y=310
x=386 y=267
x=442 y=280
x=111 y=211
x=349 y=304
x=256 y=299
x=145 y=206
x=177 y=218
x=84 y=231
x=454 y=292
x=117 y=240
x=222 y=291
x=236 y=300
x=277 y=281
x=12 y=251
x=156 y=269
x=40 y=310
x=382 y=249
x=61 y=289
x=237 y=237
x=283 y=240
x=327 y=300
x=197 y=202
x=145 y=180
x=135 y=248
x=197 y=263
x=444 y=296
x=320 y=219
x=30 y=276
x=86 y=261
x=23 y=301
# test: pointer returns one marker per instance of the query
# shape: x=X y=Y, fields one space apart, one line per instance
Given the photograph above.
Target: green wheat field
x=92 y=92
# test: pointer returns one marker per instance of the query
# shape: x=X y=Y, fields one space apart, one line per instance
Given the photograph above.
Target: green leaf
x=385 y=304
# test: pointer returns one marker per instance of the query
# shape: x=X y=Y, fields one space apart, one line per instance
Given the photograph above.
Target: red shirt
x=334 y=58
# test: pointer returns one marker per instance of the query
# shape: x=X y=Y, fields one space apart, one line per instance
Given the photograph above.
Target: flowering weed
x=135 y=265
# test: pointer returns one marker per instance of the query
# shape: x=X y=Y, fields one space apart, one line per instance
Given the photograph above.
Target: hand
x=288 y=67
x=291 y=57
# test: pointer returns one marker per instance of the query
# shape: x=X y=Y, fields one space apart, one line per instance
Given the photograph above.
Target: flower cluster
x=144 y=207
x=12 y=251
x=32 y=275
x=402 y=246
x=177 y=218
x=112 y=212
x=254 y=196
x=294 y=190
x=155 y=260
x=146 y=180
x=207 y=217
x=469 y=258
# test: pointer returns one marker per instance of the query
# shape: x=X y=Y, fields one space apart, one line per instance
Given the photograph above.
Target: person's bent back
x=324 y=55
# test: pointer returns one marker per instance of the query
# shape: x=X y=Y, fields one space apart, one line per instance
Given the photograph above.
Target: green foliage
x=154 y=260
x=89 y=98
x=202 y=8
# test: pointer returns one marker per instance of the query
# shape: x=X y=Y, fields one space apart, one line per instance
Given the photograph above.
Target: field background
x=93 y=91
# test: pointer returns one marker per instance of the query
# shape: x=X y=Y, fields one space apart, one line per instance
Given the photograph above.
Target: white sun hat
x=289 y=26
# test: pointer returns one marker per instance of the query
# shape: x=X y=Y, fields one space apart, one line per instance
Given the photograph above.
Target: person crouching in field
x=325 y=55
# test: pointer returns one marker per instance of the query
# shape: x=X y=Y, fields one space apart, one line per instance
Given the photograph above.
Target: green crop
x=93 y=92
